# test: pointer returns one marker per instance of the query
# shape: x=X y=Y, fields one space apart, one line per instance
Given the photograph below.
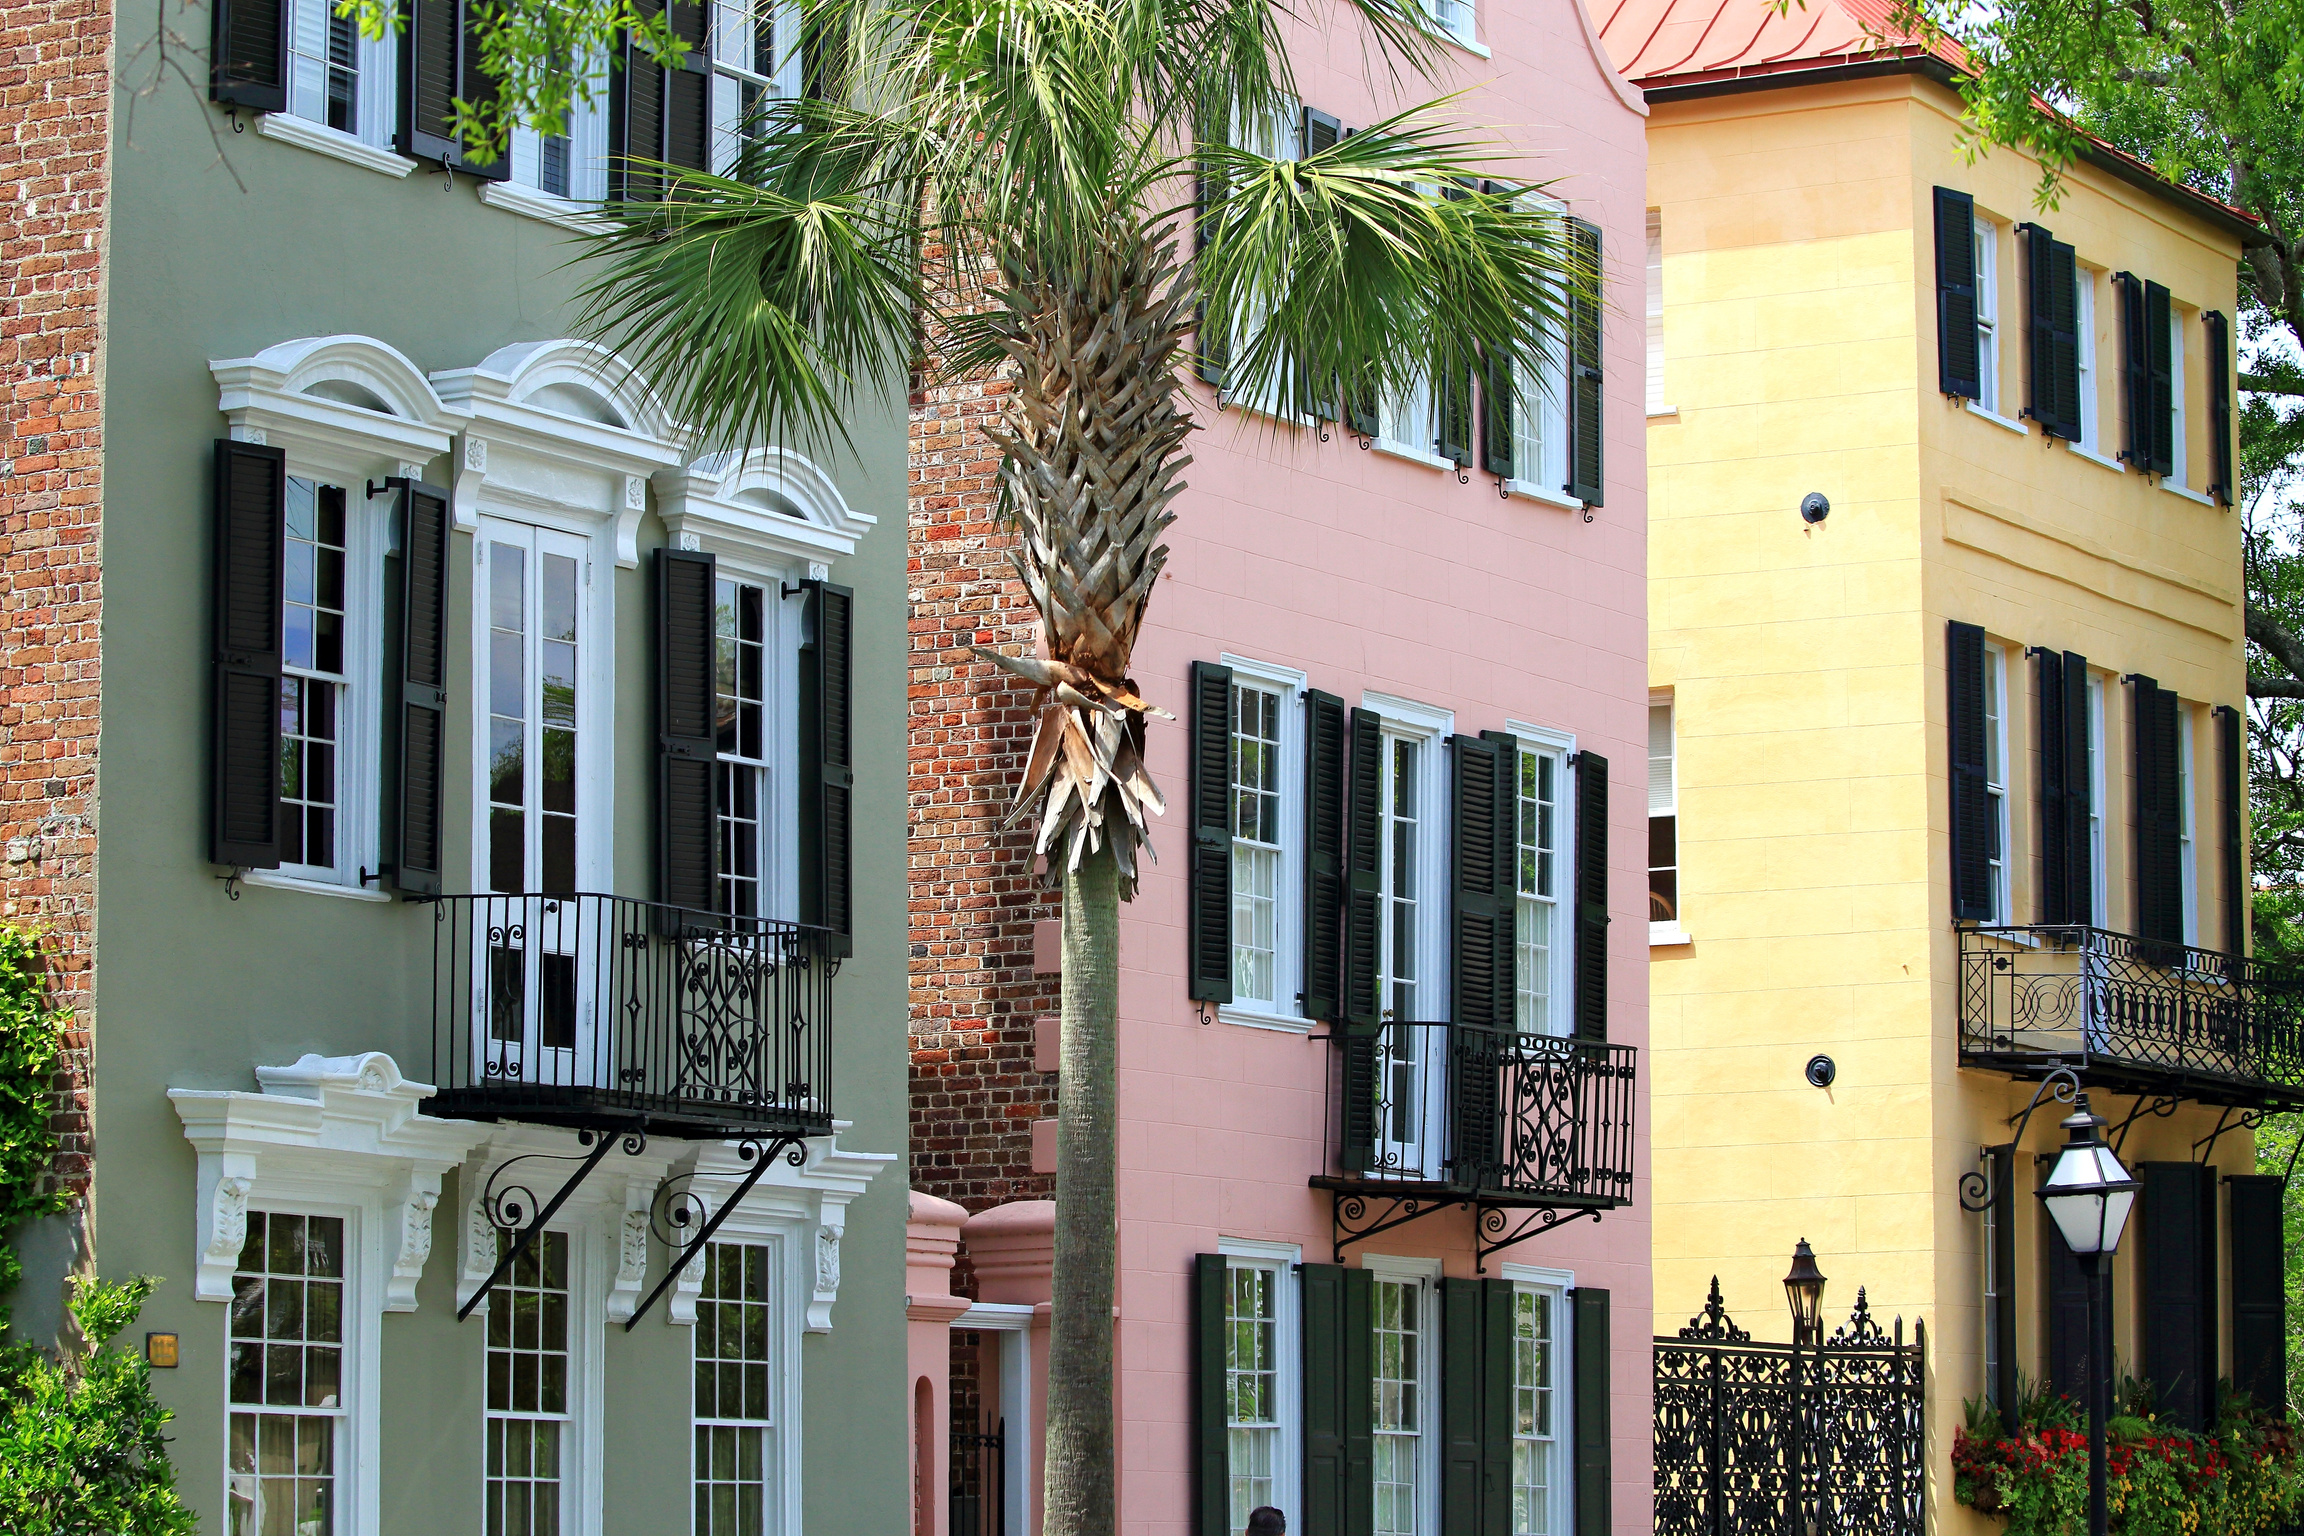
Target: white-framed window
x=326 y=716
x=2178 y=432
x=755 y=61
x=1540 y=411
x=1545 y=878
x=1996 y=778
x=336 y=77
x=286 y=1390
x=2099 y=882
x=1262 y=1379
x=574 y=162
x=1453 y=17
x=534 y=634
x=736 y=1464
x=1403 y=1382
x=1988 y=314
x=1543 y=1469
x=1663 y=823
x=532 y=1391
x=1989 y=1313
x=2085 y=293
x=2187 y=847
x=1656 y=396
x=744 y=624
x=1267 y=811
x=1412 y=872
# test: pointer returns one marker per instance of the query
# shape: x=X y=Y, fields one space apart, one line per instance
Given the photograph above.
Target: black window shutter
x=251 y=523
x=248 y=50
x=2054 y=801
x=2218 y=363
x=2079 y=796
x=1452 y=408
x=440 y=62
x=476 y=85
x=2160 y=413
x=1359 y=1416
x=636 y=98
x=2259 y=1290
x=2232 y=772
x=1971 y=805
x=1483 y=947
x=827 y=761
x=1209 y=925
x=1496 y=412
x=2003 y=1384
x=2067 y=1320
x=1321 y=132
x=1591 y=897
x=2177 y=1259
x=1496 y=1400
x=1363 y=850
x=1595 y=1465
x=687 y=749
x=1211 y=1436
x=1958 y=364
x=2135 y=372
x=424 y=518
x=1586 y=424
x=1325 y=1389
x=688 y=91
x=1506 y=1006
x=2159 y=870
x=2053 y=332
x=1463 y=1406
x=1324 y=754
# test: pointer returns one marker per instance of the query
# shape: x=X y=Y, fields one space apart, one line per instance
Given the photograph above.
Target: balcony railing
x=600 y=1011
x=1496 y=1118
x=2135 y=1015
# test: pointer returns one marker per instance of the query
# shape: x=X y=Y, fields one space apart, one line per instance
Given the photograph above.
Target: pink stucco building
x=1384 y=995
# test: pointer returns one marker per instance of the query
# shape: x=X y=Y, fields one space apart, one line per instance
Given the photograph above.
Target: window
x=286 y=1338
x=528 y=1417
x=734 y=1459
x=1990 y=1311
x=1410 y=420
x=1996 y=779
x=755 y=61
x=1256 y=850
x=1398 y=1361
x=1540 y=1466
x=1453 y=17
x=1401 y=818
x=533 y=579
x=1540 y=417
x=1656 y=405
x=336 y=77
x=1663 y=824
x=2098 y=912
x=2187 y=853
x=1542 y=875
x=2085 y=292
x=314 y=685
x=1987 y=314
x=572 y=164
x=741 y=672
x=2176 y=432
x=1252 y=1387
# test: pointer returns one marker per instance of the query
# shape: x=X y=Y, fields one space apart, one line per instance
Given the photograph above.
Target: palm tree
x=1070 y=194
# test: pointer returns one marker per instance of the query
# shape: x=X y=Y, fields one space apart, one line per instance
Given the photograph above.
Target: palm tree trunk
x=1079 y=1484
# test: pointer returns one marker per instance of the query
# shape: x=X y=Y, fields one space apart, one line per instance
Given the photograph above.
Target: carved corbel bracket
x=408 y=1231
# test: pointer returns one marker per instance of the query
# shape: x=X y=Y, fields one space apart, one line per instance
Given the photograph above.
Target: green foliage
x=82 y=1451
x=30 y=1055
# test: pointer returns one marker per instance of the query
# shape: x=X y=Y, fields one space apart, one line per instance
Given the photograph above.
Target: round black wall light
x=1814 y=508
x=1821 y=1072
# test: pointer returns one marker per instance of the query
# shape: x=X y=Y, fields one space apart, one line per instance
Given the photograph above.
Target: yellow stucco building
x=1943 y=780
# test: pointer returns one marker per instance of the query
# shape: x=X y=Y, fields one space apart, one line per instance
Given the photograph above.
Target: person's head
x=1267 y=1521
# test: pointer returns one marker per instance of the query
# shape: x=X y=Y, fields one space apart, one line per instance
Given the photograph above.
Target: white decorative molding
x=332 y=142
x=772 y=506
x=412 y=1235
x=687 y=539
x=464 y=494
x=806 y=1206
x=827 y=1275
x=341 y=1129
x=531 y=203
x=631 y=1252
x=481 y=1249
x=346 y=407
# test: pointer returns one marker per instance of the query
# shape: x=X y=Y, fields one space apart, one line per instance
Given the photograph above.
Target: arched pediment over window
x=347 y=403
x=770 y=503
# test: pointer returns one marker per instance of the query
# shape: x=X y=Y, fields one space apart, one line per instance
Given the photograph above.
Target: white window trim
x=332 y=1136
x=1653 y=274
x=2186 y=492
x=376 y=103
x=587 y=136
x=1994 y=417
x=1288 y=915
x=1018 y=1471
x=1288 y=1349
x=2091 y=439
x=2093 y=457
x=359 y=758
x=1559 y=1283
x=1425 y=1274
x=2188 y=842
x=1545 y=738
x=334 y=143
x=1987 y=404
x=530 y=202
x=2100 y=884
x=272 y=879
x=583 y=1444
x=2003 y=883
x=2178 y=432
x=1664 y=935
x=1432 y=726
x=785 y=1472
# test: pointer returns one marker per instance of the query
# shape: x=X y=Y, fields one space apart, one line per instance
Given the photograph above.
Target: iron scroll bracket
x=1494 y=1231
x=2246 y=1120
x=2159 y=1107
x=1352 y=1222
x=506 y=1208
x=1358 y=1215
x=1976 y=1184
x=684 y=1206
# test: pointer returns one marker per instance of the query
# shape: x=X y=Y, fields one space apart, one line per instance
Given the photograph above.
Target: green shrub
x=30 y=1054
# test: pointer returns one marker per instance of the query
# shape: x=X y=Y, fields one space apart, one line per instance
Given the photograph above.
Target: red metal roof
x=1681 y=42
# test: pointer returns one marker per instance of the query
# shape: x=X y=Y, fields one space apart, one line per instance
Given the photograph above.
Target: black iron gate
x=1760 y=1439
x=979 y=1503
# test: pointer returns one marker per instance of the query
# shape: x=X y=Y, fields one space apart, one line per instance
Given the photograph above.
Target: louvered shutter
x=1496 y=412
x=417 y=853
x=440 y=62
x=1363 y=909
x=1482 y=947
x=1213 y=342
x=2160 y=372
x=2066 y=1289
x=2232 y=776
x=2054 y=803
x=1320 y=132
x=2135 y=373
x=827 y=761
x=2259 y=1290
x=2222 y=486
x=1324 y=759
x=688 y=91
x=636 y=100
x=1325 y=1389
x=478 y=87
x=1211 y=1432
x=1971 y=804
x=2003 y=1383
x=687 y=745
x=2177 y=1289
x=251 y=529
x=2158 y=833
x=1358 y=1373
x=2052 y=332
x=1452 y=413
x=1463 y=1407
x=1506 y=919
x=1496 y=1409
x=1591 y=896
x=1959 y=369
x=1208 y=926
x=1586 y=424
x=248 y=54
x=2079 y=854
x=1595 y=1463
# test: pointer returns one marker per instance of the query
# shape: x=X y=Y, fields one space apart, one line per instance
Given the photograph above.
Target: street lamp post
x=2089 y=1195
x=1804 y=1293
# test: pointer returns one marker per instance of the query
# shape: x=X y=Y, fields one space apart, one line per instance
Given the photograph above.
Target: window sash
x=1398 y=1373
x=2098 y=878
x=2187 y=850
x=1988 y=314
x=1258 y=810
x=1401 y=895
x=1996 y=776
x=1540 y=1410
x=2087 y=349
x=1541 y=866
x=2177 y=432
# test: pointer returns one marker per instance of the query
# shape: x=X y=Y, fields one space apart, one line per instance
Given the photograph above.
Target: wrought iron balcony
x=1426 y=1116
x=602 y=1012
x=2137 y=1016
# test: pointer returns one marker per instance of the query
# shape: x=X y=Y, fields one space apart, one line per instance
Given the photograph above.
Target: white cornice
x=270 y=398
x=768 y=506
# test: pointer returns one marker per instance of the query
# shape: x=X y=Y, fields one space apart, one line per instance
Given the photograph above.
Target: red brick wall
x=55 y=98
x=974 y=898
